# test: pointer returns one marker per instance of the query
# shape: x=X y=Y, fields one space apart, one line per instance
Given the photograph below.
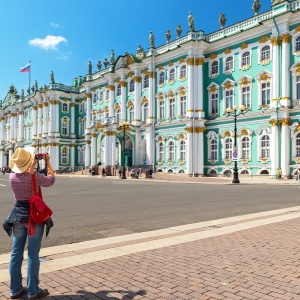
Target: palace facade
x=175 y=98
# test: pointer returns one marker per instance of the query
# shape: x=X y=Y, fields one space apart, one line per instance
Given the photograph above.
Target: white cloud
x=55 y=25
x=63 y=56
x=49 y=42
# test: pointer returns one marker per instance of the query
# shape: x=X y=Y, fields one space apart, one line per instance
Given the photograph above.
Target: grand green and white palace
x=167 y=108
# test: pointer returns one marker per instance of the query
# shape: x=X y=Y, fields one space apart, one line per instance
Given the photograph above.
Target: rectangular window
x=246 y=96
x=265 y=93
x=298 y=87
x=65 y=128
x=229 y=98
x=64 y=157
x=214 y=103
x=172 y=107
x=183 y=105
x=161 y=110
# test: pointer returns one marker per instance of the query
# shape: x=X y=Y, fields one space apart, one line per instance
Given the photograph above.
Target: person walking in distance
x=103 y=173
x=298 y=176
x=23 y=163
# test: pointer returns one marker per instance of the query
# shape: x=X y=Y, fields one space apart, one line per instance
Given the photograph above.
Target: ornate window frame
x=245 y=65
x=228 y=86
x=212 y=136
x=119 y=90
x=264 y=60
x=260 y=133
x=172 y=76
x=213 y=95
x=146 y=81
x=161 y=78
x=182 y=146
x=182 y=72
x=171 y=151
x=295 y=131
x=65 y=107
x=65 y=126
x=295 y=70
x=214 y=68
x=296 y=41
x=161 y=106
x=225 y=58
x=243 y=133
x=65 y=155
x=263 y=77
x=131 y=86
x=245 y=82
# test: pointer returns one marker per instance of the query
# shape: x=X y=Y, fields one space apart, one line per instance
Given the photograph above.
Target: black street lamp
x=233 y=113
x=124 y=126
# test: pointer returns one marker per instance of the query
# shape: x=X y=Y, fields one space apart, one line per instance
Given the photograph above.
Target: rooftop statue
x=52 y=77
x=36 y=87
x=168 y=35
x=99 y=65
x=222 y=20
x=22 y=93
x=112 y=57
x=151 y=40
x=191 y=21
x=33 y=88
x=256 y=6
x=28 y=90
x=105 y=62
x=90 y=68
x=178 y=31
x=277 y=1
x=140 y=52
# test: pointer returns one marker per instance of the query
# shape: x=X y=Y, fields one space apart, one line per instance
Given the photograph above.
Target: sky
x=63 y=36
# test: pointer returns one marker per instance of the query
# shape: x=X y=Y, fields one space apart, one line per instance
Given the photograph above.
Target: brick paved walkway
x=261 y=262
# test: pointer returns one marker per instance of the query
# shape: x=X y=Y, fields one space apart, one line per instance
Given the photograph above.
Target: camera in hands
x=40 y=156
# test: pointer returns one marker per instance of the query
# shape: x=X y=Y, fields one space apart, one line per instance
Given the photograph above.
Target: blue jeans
x=20 y=234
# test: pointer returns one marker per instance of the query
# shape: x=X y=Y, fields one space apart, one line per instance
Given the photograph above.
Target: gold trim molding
x=285 y=38
x=263 y=39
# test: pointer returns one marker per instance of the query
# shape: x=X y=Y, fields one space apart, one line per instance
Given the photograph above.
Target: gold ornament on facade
x=129 y=103
x=40 y=105
x=199 y=61
x=265 y=62
x=227 y=134
x=273 y=122
x=245 y=67
x=213 y=56
x=227 y=51
x=285 y=38
x=111 y=87
x=170 y=64
x=213 y=89
x=160 y=98
x=118 y=81
x=298 y=70
x=297 y=129
x=297 y=160
x=244 y=46
x=110 y=133
x=228 y=85
x=190 y=61
x=73 y=104
x=130 y=74
x=227 y=161
x=244 y=132
x=264 y=77
x=151 y=74
x=93 y=135
x=285 y=121
x=160 y=68
x=137 y=79
x=117 y=106
x=274 y=41
x=297 y=29
x=199 y=129
x=87 y=142
x=88 y=95
x=244 y=161
x=263 y=160
x=181 y=136
x=56 y=102
x=160 y=162
x=100 y=126
x=123 y=83
x=212 y=161
x=171 y=94
x=182 y=91
x=181 y=60
x=144 y=100
x=244 y=81
x=181 y=161
x=145 y=72
x=263 y=39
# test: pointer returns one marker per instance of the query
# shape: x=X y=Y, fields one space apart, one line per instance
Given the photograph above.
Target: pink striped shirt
x=21 y=184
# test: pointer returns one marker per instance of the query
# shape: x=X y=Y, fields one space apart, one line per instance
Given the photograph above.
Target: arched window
x=245 y=148
x=95 y=98
x=65 y=126
x=65 y=107
x=161 y=151
x=172 y=75
x=119 y=90
x=64 y=155
x=182 y=150
x=145 y=111
x=214 y=149
x=172 y=107
x=161 y=79
x=246 y=58
x=229 y=64
x=183 y=71
x=183 y=105
x=229 y=98
x=246 y=96
x=171 y=150
x=161 y=112
x=214 y=68
x=298 y=87
x=131 y=86
x=118 y=114
x=107 y=95
x=131 y=113
x=298 y=145
x=228 y=148
x=265 y=146
x=265 y=93
x=101 y=96
x=80 y=127
x=146 y=81
x=298 y=43
x=265 y=53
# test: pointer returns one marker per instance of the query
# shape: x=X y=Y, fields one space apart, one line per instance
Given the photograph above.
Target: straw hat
x=21 y=159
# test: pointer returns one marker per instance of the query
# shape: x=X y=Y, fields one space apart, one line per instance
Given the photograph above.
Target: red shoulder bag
x=39 y=211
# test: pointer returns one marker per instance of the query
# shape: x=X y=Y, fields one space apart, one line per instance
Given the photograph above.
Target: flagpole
x=29 y=75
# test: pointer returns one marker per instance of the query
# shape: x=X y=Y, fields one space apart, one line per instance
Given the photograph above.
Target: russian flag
x=26 y=68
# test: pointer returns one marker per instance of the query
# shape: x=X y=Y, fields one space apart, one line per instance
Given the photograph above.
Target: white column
x=189 y=150
x=123 y=100
x=190 y=98
x=150 y=144
x=72 y=163
x=56 y=157
x=285 y=146
x=21 y=125
x=87 y=159
x=274 y=147
x=52 y=118
x=2 y=124
x=199 y=69
x=137 y=148
x=285 y=95
x=275 y=71
x=34 y=119
x=199 y=151
x=110 y=145
x=14 y=125
x=2 y=162
x=137 y=100
x=151 y=117
x=72 y=130
x=40 y=117
x=111 y=109
x=45 y=119
x=93 y=149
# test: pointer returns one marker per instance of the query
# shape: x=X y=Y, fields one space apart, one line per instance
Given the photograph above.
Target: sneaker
x=23 y=292
x=41 y=294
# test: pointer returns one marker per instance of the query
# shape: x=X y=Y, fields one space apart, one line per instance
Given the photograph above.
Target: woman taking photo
x=23 y=163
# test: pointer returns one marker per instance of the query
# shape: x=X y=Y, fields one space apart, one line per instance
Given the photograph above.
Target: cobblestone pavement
x=246 y=257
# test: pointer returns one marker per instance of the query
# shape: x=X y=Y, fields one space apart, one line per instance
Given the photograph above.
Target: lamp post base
x=235 y=177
